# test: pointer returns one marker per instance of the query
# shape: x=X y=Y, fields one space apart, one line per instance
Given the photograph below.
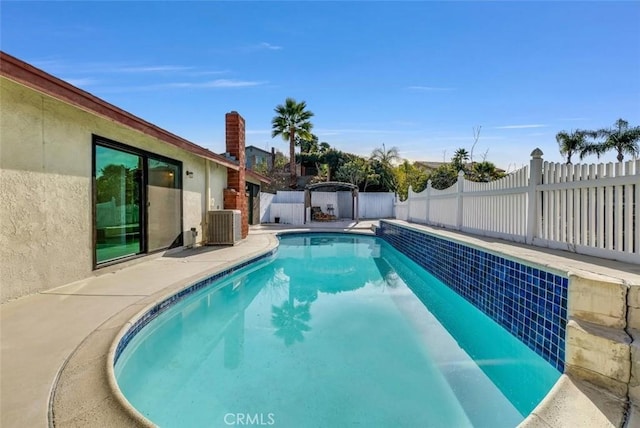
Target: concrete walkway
x=39 y=333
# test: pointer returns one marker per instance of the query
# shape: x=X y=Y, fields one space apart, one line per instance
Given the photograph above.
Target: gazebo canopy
x=332 y=186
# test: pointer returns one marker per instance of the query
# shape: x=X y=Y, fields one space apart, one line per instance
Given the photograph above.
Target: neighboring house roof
x=249 y=173
x=429 y=164
x=257 y=149
x=19 y=71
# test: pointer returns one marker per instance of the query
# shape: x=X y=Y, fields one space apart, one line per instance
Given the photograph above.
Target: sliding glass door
x=118 y=191
x=164 y=204
x=138 y=201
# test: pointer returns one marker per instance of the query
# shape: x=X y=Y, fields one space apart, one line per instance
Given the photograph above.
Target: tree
x=384 y=156
x=309 y=145
x=291 y=321
x=351 y=172
x=111 y=182
x=573 y=142
x=334 y=159
x=313 y=151
x=410 y=175
x=443 y=177
x=476 y=137
x=292 y=119
x=359 y=172
x=620 y=138
x=277 y=173
x=459 y=159
x=382 y=162
x=485 y=171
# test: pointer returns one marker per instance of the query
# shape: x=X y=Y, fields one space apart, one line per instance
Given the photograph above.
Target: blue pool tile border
x=529 y=302
x=165 y=304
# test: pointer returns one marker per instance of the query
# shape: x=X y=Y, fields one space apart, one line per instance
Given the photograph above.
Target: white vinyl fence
x=265 y=205
x=290 y=197
x=587 y=209
x=375 y=205
x=288 y=206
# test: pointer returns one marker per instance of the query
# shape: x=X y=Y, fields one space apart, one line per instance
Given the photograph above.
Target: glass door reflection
x=164 y=205
x=118 y=196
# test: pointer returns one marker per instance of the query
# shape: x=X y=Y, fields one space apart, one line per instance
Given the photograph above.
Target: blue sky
x=416 y=75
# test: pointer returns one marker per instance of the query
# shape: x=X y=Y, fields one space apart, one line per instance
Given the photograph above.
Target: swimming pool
x=332 y=330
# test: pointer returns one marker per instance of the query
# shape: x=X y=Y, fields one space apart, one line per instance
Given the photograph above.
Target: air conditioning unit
x=224 y=227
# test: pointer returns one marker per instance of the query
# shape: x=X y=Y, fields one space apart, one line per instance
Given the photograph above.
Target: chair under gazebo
x=333 y=209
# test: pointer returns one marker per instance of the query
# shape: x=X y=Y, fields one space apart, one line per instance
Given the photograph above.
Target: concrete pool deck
x=39 y=333
x=55 y=344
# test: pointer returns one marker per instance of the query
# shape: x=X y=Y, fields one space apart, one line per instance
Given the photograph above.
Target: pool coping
x=154 y=309
x=569 y=402
x=602 y=401
x=116 y=410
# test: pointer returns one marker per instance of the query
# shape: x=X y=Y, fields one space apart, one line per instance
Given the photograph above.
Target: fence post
x=535 y=179
x=409 y=203
x=427 y=201
x=459 y=198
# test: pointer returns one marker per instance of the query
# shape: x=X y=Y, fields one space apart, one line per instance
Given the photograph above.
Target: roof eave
x=25 y=74
x=259 y=177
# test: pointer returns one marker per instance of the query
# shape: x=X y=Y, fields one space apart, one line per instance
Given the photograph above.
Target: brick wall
x=234 y=196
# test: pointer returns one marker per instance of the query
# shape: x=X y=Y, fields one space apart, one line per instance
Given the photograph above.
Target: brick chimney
x=234 y=195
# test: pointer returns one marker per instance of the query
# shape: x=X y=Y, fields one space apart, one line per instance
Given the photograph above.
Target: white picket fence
x=587 y=209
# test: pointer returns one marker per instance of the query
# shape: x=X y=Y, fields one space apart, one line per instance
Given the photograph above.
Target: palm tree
x=460 y=157
x=620 y=138
x=384 y=156
x=308 y=146
x=485 y=171
x=292 y=120
x=574 y=142
x=291 y=321
x=384 y=159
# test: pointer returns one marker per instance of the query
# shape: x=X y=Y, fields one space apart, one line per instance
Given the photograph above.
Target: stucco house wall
x=218 y=175
x=45 y=187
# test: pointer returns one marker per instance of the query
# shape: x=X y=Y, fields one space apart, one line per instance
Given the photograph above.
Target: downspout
x=207 y=199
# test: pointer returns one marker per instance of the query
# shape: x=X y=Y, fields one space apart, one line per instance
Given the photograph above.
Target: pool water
x=334 y=330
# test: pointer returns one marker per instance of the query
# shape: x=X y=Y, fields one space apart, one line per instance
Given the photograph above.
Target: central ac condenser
x=224 y=227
